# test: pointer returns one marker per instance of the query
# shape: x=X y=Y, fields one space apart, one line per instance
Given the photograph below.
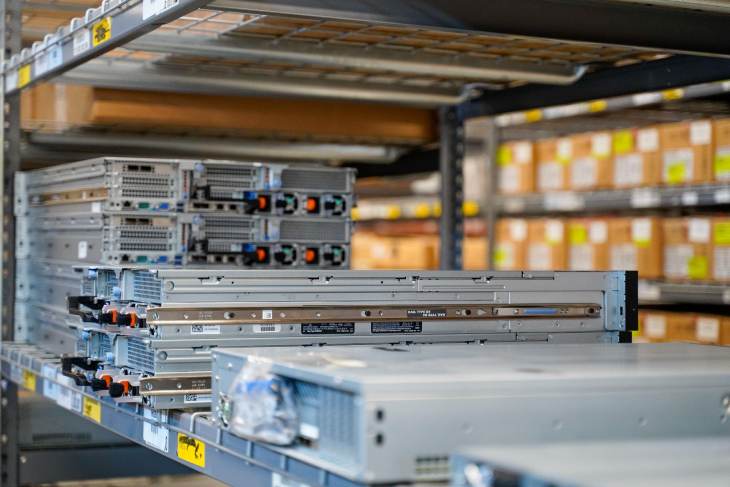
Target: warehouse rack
x=468 y=62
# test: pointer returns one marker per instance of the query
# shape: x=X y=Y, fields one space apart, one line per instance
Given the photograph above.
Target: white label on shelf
x=628 y=169
x=50 y=389
x=96 y=207
x=641 y=230
x=11 y=80
x=83 y=249
x=156 y=7
x=584 y=172
x=566 y=201
x=205 y=329
x=645 y=198
x=690 y=198
x=598 y=232
x=267 y=314
x=64 y=397
x=708 y=329
x=522 y=152
x=518 y=230
x=646 y=98
x=81 y=42
x=722 y=195
x=55 y=57
x=601 y=145
x=266 y=328
x=726 y=296
x=49 y=371
x=648 y=140
x=699 y=230
x=565 y=149
x=554 y=231
x=656 y=326
x=194 y=398
x=156 y=436
x=726 y=85
x=649 y=291
x=309 y=431
x=513 y=205
x=700 y=132
x=40 y=65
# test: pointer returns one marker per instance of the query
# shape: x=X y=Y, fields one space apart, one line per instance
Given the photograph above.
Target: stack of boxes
x=667 y=326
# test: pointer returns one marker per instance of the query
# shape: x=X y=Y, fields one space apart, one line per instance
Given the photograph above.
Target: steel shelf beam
x=188 y=438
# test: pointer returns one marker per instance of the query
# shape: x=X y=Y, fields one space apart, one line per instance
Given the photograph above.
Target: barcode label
x=156 y=7
x=267 y=314
x=81 y=42
x=266 y=328
x=11 y=80
x=196 y=398
x=205 y=329
x=156 y=436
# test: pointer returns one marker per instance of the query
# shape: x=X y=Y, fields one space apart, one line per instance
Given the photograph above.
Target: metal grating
x=313 y=180
x=139 y=355
x=146 y=288
x=324 y=231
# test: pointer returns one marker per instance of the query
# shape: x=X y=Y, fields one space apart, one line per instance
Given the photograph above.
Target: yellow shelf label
x=101 y=31
x=533 y=115
x=23 y=75
x=392 y=212
x=437 y=209
x=422 y=210
x=674 y=94
x=470 y=208
x=597 y=106
x=191 y=450
x=722 y=233
x=355 y=213
x=92 y=409
x=29 y=380
x=623 y=142
x=697 y=267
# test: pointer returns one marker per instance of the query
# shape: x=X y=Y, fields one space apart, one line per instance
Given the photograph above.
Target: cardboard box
x=637 y=158
x=712 y=329
x=516 y=161
x=687 y=152
x=511 y=244
x=547 y=246
x=553 y=164
x=664 y=326
x=721 y=159
x=636 y=244
x=653 y=325
x=475 y=253
x=687 y=248
x=591 y=162
x=416 y=252
x=720 y=261
x=588 y=244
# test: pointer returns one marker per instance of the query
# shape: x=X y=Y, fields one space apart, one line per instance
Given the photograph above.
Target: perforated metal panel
x=324 y=231
x=139 y=355
x=315 y=180
x=146 y=287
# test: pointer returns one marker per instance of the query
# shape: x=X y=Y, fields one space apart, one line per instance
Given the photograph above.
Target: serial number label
x=328 y=328
x=426 y=313
x=397 y=327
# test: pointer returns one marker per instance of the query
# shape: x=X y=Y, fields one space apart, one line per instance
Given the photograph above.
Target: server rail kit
x=145 y=326
x=394 y=414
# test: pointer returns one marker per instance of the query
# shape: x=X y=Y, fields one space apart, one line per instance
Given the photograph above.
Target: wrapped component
x=261 y=405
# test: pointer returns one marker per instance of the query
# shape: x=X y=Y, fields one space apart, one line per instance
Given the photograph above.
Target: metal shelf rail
x=189 y=438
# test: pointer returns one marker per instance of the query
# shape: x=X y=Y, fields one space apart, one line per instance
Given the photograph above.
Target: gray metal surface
x=671 y=462
x=380 y=414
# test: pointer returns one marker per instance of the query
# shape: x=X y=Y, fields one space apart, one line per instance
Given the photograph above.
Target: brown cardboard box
x=687 y=152
x=591 y=163
x=370 y=251
x=416 y=252
x=637 y=158
x=511 y=244
x=547 y=246
x=720 y=261
x=664 y=326
x=636 y=244
x=713 y=329
x=653 y=325
x=587 y=244
x=475 y=253
x=553 y=163
x=516 y=161
x=721 y=159
x=687 y=248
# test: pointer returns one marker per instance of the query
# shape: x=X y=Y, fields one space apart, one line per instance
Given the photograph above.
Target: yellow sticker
x=392 y=212
x=677 y=172
x=355 y=213
x=674 y=94
x=533 y=115
x=500 y=256
x=597 y=106
x=23 y=75
x=101 y=31
x=437 y=209
x=623 y=142
x=191 y=450
x=29 y=380
x=697 y=267
x=423 y=210
x=470 y=208
x=504 y=155
x=92 y=409
x=722 y=233
x=578 y=234
x=722 y=164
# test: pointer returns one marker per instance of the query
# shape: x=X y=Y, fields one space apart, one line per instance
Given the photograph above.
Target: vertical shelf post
x=489 y=212
x=451 y=160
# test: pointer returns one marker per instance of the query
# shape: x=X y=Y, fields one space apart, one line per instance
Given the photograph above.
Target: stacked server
x=149 y=333
x=168 y=212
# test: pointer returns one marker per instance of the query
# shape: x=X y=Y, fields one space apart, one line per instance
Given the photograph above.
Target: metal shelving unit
x=464 y=61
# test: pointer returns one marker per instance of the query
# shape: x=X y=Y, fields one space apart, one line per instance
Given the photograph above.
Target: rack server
x=395 y=414
x=627 y=463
